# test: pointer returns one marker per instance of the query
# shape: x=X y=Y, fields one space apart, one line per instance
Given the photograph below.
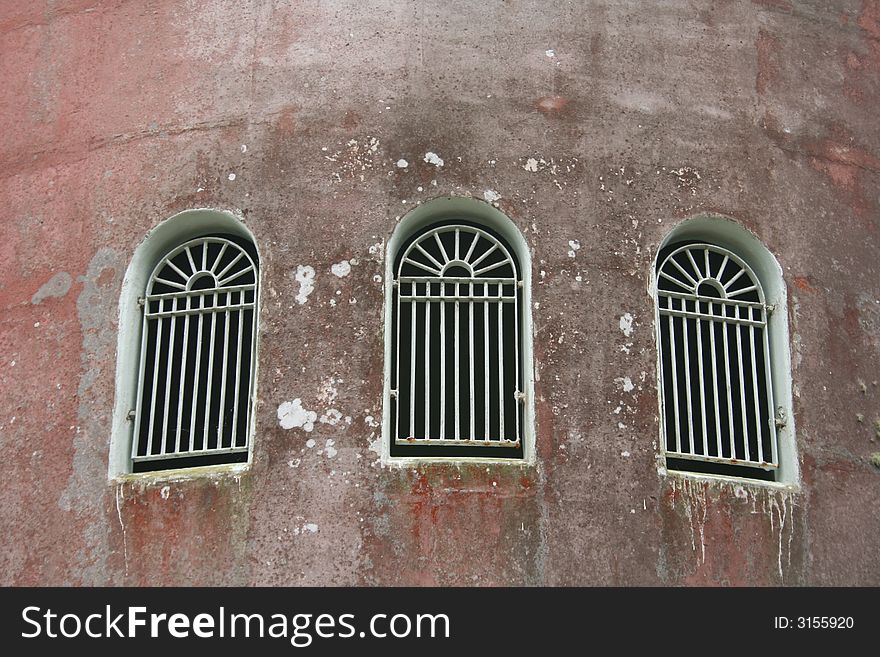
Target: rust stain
x=869 y=18
x=767 y=47
x=552 y=105
x=803 y=284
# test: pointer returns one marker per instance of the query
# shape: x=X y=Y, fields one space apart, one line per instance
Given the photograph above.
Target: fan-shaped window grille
x=196 y=362
x=715 y=364
x=456 y=378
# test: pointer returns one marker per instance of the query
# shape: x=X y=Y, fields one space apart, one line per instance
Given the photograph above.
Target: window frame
x=729 y=235
x=158 y=243
x=482 y=215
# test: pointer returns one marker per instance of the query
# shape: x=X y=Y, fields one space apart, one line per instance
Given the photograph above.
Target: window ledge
x=727 y=479
x=182 y=474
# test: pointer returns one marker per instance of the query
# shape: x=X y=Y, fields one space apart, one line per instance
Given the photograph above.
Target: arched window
x=458 y=377
x=196 y=360
x=178 y=283
x=717 y=369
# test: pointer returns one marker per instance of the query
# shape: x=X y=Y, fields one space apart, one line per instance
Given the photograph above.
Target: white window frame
x=479 y=213
x=729 y=235
x=156 y=245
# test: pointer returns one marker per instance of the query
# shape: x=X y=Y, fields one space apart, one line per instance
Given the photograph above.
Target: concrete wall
x=604 y=122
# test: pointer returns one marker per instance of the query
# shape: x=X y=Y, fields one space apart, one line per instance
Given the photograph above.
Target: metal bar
x=491 y=249
x=442 y=248
x=163 y=281
x=501 y=400
x=462 y=297
x=219 y=276
x=180 y=455
x=457 y=368
x=460 y=443
x=421 y=266
x=412 y=369
x=395 y=392
x=757 y=394
x=733 y=279
x=467 y=279
x=427 y=368
x=674 y=379
x=223 y=380
x=203 y=293
x=151 y=435
x=683 y=271
x=722 y=302
x=714 y=459
x=168 y=370
x=202 y=311
x=237 y=381
x=725 y=326
x=774 y=457
x=690 y=256
x=180 y=386
x=210 y=378
x=442 y=362
x=721 y=268
x=473 y=245
x=516 y=351
x=742 y=392
x=142 y=374
x=192 y=263
x=692 y=315
x=196 y=377
x=687 y=378
x=218 y=258
x=429 y=257
x=471 y=362
x=714 y=376
x=497 y=265
x=700 y=368
x=743 y=290
x=178 y=270
x=486 y=366
x=457 y=245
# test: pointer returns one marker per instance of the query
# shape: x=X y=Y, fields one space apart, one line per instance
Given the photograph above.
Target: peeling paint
x=292 y=414
x=433 y=158
x=626 y=324
x=56 y=287
x=305 y=276
x=341 y=269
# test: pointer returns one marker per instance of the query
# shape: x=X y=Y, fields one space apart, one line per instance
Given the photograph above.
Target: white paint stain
x=433 y=158
x=531 y=165
x=310 y=443
x=231 y=177
x=625 y=383
x=550 y=53
x=331 y=417
x=292 y=414
x=329 y=449
x=310 y=527
x=402 y=164
x=165 y=493
x=305 y=276
x=55 y=287
x=341 y=269
x=490 y=196
x=626 y=324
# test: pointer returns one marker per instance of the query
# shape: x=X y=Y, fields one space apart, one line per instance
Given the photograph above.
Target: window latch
x=130 y=415
x=781 y=419
x=142 y=301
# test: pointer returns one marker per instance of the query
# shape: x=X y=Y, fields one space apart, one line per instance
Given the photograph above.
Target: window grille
x=716 y=384
x=196 y=361
x=456 y=379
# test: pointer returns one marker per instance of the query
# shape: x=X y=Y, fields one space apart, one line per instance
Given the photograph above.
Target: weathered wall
x=601 y=122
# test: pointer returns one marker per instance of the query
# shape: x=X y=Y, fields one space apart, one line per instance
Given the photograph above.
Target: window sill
x=727 y=479
x=182 y=474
